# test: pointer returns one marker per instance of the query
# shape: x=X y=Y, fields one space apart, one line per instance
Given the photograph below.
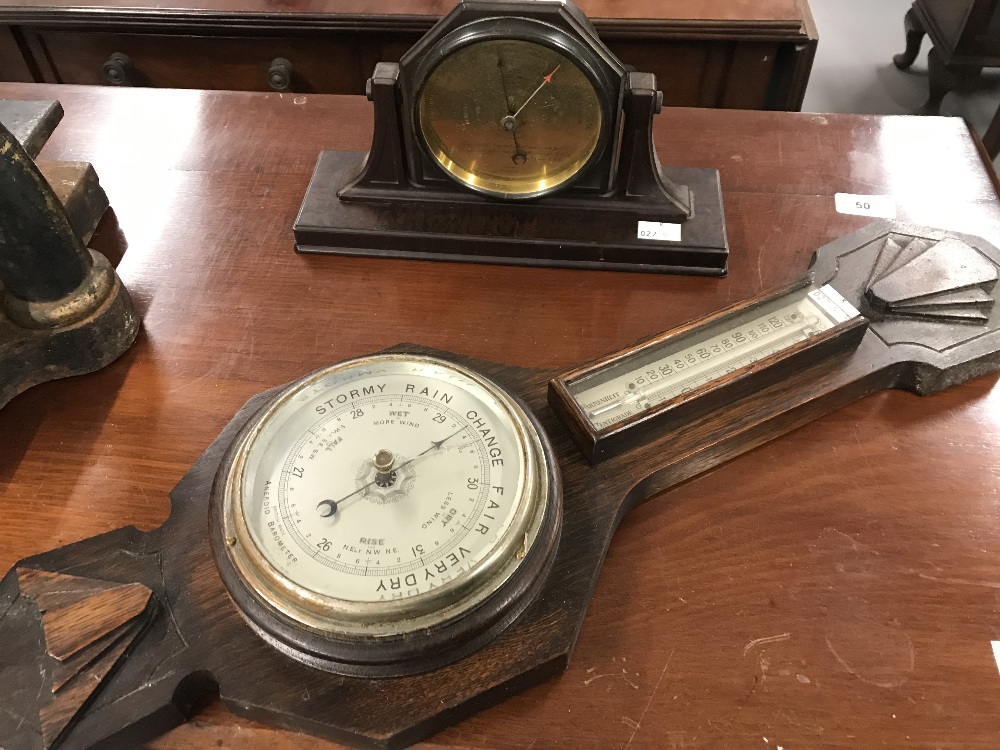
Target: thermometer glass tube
x=673 y=365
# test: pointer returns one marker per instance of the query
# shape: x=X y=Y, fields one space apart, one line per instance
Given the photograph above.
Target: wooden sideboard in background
x=743 y=54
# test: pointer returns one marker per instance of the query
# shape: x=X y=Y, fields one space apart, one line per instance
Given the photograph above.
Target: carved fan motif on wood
x=947 y=281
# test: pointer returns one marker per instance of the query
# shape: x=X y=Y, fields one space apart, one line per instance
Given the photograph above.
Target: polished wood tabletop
x=837 y=587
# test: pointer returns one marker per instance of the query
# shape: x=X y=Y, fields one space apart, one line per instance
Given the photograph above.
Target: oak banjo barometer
x=394 y=542
x=511 y=134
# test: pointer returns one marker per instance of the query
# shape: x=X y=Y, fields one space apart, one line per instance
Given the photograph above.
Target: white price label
x=658 y=230
x=881 y=206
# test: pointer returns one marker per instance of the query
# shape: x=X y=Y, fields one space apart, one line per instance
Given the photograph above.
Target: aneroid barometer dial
x=386 y=514
x=510 y=117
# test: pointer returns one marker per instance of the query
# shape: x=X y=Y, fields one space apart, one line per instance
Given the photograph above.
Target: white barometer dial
x=382 y=499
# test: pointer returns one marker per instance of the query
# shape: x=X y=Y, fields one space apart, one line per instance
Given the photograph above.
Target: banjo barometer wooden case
x=458 y=593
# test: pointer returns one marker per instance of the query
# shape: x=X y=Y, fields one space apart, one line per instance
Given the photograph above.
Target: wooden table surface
x=838 y=587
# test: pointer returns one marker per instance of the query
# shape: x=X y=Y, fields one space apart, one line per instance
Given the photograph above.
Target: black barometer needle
x=332 y=505
x=508 y=123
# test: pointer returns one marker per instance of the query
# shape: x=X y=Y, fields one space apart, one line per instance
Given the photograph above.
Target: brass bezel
x=330 y=616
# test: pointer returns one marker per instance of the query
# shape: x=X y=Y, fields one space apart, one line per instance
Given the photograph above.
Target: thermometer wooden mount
x=117 y=636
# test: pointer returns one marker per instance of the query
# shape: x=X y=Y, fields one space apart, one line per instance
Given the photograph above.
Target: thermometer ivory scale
x=693 y=370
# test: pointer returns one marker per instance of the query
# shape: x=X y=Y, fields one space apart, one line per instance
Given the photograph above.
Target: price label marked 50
x=658 y=230
x=881 y=206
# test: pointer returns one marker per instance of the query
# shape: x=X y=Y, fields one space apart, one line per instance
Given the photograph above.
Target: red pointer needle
x=545 y=79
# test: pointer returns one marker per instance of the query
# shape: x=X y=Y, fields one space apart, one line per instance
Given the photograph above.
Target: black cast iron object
x=63 y=310
x=75 y=183
x=194 y=638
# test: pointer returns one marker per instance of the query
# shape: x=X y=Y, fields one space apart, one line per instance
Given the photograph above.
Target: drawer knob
x=279 y=75
x=117 y=69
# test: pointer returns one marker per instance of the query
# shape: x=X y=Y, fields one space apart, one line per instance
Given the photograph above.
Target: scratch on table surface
x=767 y=639
x=879 y=677
x=623 y=676
x=961 y=581
x=759 y=677
x=137 y=480
x=650 y=701
x=717 y=728
x=792 y=719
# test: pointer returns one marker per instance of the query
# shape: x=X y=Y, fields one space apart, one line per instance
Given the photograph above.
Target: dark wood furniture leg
x=991 y=139
x=945 y=78
x=914 y=35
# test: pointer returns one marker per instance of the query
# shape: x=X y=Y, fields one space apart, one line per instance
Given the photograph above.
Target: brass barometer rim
x=531 y=31
x=330 y=617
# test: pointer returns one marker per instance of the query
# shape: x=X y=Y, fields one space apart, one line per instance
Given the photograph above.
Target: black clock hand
x=507 y=123
x=503 y=84
x=332 y=505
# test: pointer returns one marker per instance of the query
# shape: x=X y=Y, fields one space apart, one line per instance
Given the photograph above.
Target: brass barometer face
x=381 y=499
x=510 y=117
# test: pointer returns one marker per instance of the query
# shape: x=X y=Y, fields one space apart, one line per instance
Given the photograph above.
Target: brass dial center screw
x=383 y=461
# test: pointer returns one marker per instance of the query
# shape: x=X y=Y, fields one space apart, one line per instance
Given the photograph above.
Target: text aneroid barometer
x=382 y=507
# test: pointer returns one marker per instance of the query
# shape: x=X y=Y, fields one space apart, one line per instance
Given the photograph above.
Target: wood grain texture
x=87 y=625
x=75 y=626
x=56 y=716
x=805 y=592
x=735 y=53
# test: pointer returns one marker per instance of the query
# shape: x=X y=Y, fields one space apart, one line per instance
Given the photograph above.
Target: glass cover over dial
x=509 y=118
x=384 y=495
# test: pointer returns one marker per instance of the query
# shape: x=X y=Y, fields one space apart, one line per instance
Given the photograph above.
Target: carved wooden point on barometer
x=945 y=281
x=114 y=638
x=87 y=626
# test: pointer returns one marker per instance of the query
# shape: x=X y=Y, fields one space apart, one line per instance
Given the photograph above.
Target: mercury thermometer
x=696 y=368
